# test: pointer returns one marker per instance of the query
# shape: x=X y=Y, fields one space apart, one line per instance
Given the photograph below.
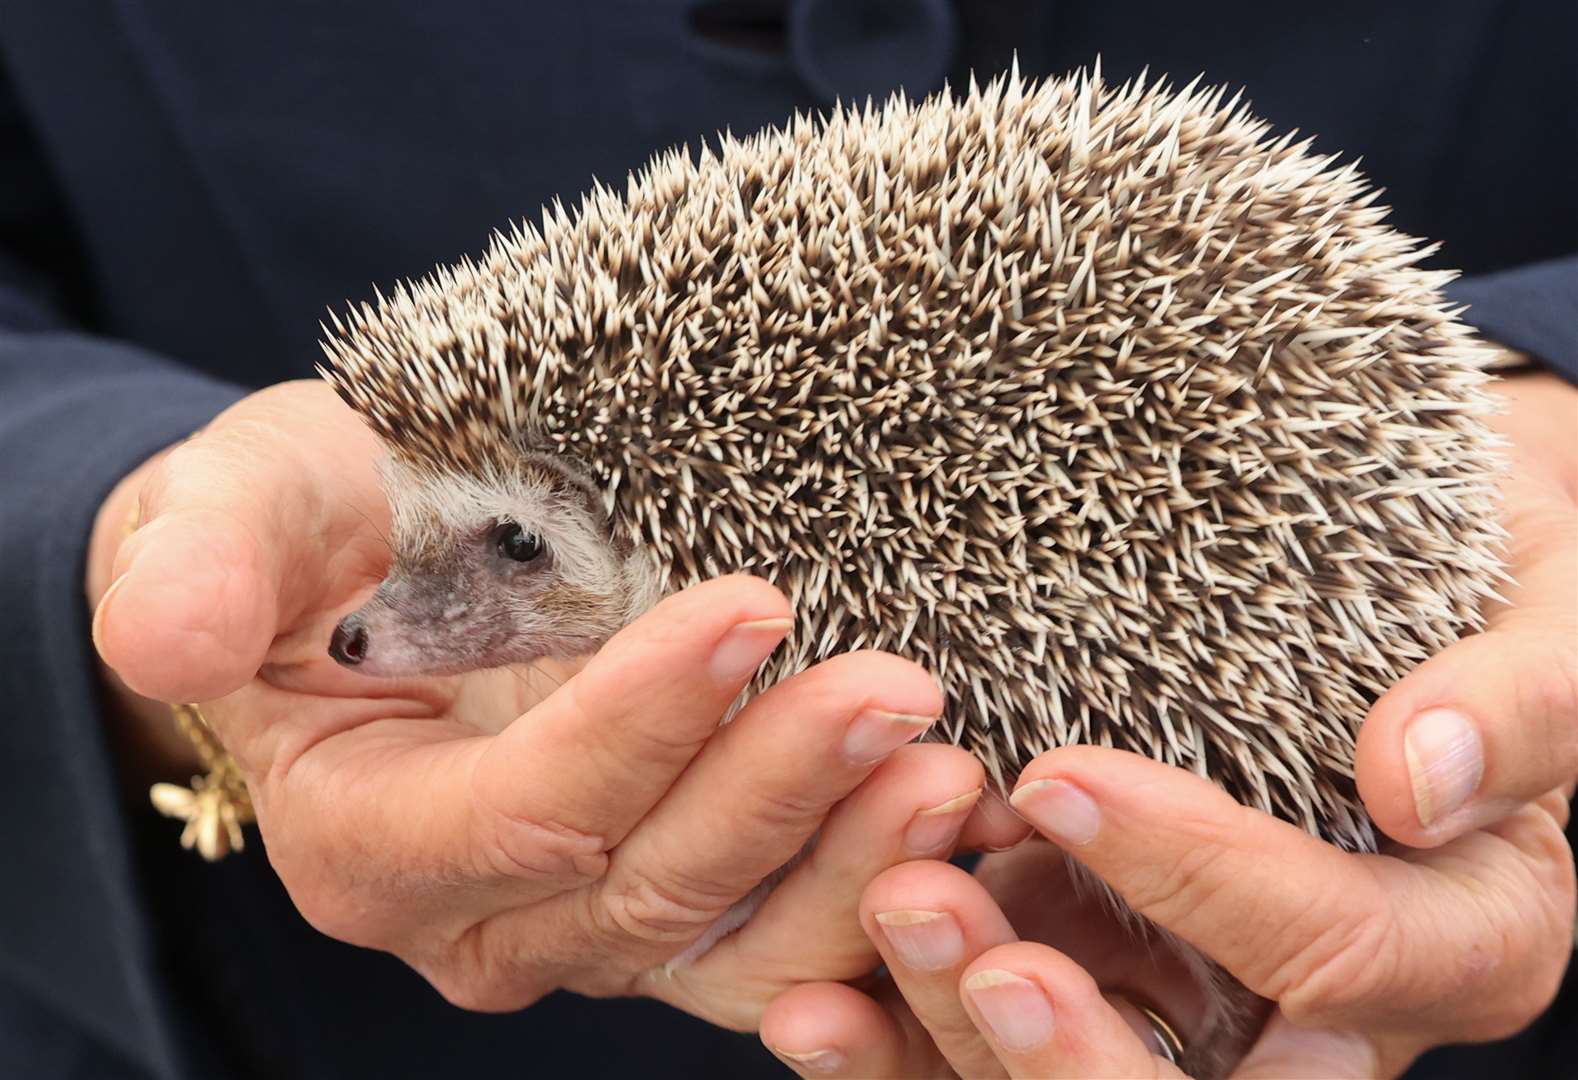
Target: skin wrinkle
x=1342 y=967
x=1513 y=1006
x=586 y=855
x=1491 y=899
x=292 y=747
x=233 y=462
x=1185 y=880
x=1182 y=878
x=652 y=742
x=474 y=974
x=707 y=891
x=1483 y=941
x=555 y=852
x=647 y=909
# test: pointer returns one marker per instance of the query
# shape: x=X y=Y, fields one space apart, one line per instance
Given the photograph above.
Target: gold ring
x=1171 y=1044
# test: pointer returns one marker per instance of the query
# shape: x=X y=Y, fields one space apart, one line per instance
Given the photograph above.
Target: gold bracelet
x=217 y=804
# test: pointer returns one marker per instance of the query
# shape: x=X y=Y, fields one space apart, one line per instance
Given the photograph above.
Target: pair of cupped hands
x=508 y=834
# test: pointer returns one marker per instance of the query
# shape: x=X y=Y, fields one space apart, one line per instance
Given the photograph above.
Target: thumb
x=1473 y=733
x=193 y=605
x=1285 y=1052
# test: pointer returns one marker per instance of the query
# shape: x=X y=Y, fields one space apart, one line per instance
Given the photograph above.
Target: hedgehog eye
x=514 y=542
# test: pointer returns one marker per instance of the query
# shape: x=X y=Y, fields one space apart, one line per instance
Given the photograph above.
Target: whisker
x=374 y=526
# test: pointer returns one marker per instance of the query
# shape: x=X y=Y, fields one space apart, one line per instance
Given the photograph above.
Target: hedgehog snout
x=348 y=646
x=437 y=622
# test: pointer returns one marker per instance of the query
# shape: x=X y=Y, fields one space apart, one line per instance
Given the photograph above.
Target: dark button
x=852 y=49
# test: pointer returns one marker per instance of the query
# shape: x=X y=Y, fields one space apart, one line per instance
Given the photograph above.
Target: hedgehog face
x=488 y=571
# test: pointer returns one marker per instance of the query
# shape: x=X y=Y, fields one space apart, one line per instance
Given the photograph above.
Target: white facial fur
x=452 y=602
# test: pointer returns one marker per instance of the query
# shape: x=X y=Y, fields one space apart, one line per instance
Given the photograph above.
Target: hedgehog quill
x=1134 y=424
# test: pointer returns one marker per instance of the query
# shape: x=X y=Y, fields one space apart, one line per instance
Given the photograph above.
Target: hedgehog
x=1133 y=423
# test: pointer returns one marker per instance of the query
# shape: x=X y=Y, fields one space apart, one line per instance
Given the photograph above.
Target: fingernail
x=1059 y=810
x=938 y=826
x=746 y=645
x=1016 y=1010
x=99 y=613
x=875 y=734
x=923 y=940
x=821 y=1061
x=1445 y=762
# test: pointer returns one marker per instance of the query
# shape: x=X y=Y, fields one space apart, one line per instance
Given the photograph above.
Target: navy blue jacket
x=185 y=186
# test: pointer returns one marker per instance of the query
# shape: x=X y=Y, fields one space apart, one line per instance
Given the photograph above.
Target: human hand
x=1491 y=723
x=581 y=845
x=1367 y=959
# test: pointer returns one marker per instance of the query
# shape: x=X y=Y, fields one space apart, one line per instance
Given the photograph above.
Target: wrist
x=149 y=746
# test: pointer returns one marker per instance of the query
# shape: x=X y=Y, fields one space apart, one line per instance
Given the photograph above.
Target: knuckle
x=465 y=991
x=1494 y=972
x=1354 y=964
x=1564 y=702
x=1174 y=894
x=181 y=458
x=653 y=910
x=337 y=901
x=1541 y=988
x=512 y=843
x=1510 y=1004
x=1520 y=1006
x=1550 y=697
x=1535 y=945
x=783 y=809
x=518 y=847
x=197 y=464
x=1349 y=968
x=475 y=974
x=326 y=910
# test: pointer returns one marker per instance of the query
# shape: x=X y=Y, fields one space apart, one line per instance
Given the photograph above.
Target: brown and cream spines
x=1134 y=424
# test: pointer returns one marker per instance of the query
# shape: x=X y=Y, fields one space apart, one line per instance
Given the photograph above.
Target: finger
x=1044 y=1016
x=828 y=1029
x=929 y=920
x=1476 y=731
x=911 y=807
x=742 y=809
x=594 y=757
x=532 y=812
x=1168 y=841
x=1336 y=939
x=1286 y=1052
x=194 y=603
x=992 y=825
x=1493 y=721
x=1047 y=898
x=1032 y=885
x=763 y=785
x=234 y=525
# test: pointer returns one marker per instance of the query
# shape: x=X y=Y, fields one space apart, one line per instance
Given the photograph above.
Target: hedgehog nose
x=349 y=643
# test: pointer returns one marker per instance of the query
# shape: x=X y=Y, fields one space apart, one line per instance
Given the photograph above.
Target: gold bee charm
x=217 y=805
